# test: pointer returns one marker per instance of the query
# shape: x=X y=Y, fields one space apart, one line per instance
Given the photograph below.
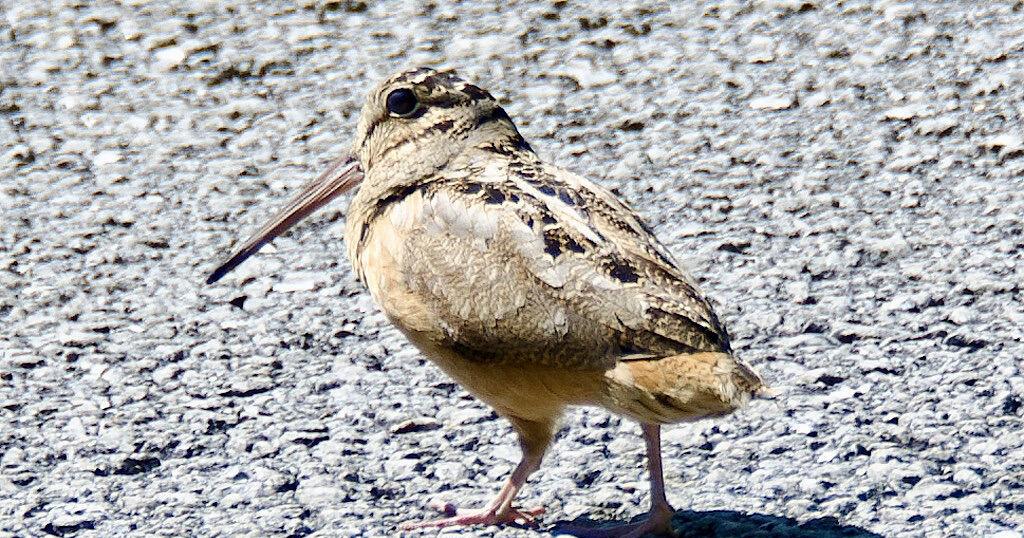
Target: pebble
x=777 y=102
x=847 y=197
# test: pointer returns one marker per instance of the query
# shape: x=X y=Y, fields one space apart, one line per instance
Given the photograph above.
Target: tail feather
x=681 y=387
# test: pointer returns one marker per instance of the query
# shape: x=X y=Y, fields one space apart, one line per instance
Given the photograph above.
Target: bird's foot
x=479 y=516
x=657 y=522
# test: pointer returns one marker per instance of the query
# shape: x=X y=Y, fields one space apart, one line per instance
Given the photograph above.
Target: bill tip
x=215 y=275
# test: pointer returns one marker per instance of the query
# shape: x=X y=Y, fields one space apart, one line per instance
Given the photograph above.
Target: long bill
x=342 y=176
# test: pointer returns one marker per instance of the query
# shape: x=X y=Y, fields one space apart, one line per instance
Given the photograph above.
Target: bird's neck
x=441 y=156
x=389 y=181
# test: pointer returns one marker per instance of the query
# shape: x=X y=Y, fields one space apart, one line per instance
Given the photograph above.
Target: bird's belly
x=529 y=391
x=527 y=388
x=515 y=372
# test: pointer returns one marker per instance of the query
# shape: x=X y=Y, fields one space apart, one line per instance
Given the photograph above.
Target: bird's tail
x=682 y=387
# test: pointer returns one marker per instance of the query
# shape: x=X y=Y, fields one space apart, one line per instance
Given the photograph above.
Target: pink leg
x=659 y=519
x=534 y=438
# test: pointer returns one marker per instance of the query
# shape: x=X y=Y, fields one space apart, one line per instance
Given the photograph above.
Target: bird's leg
x=534 y=437
x=658 y=520
x=660 y=517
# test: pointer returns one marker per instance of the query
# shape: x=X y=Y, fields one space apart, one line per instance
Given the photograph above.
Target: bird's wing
x=531 y=263
x=675 y=309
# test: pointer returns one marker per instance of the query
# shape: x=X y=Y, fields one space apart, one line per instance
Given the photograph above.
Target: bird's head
x=420 y=119
x=412 y=125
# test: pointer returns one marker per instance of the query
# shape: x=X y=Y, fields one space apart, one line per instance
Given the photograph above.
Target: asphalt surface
x=845 y=179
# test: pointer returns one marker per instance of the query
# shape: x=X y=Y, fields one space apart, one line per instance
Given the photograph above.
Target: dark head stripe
x=496 y=114
x=439 y=127
x=412 y=76
x=476 y=93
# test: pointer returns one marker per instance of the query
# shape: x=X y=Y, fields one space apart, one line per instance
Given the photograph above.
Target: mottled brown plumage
x=531 y=286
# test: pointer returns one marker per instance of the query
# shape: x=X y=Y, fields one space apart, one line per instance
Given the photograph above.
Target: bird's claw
x=479 y=516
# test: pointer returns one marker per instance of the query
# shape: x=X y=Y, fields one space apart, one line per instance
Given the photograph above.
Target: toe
x=446 y=508
x=523 y=516
x=484 y=516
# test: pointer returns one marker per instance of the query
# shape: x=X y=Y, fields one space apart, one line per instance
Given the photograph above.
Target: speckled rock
x=845 y=179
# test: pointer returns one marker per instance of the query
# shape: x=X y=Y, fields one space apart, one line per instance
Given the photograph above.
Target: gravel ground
x=846 y=179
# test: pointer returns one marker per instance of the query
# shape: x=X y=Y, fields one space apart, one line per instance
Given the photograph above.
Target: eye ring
x=402 y=102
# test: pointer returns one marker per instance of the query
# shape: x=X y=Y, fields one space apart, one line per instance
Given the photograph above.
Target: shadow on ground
x=729 y=524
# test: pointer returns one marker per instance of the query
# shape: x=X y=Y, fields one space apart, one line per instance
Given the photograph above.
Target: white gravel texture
x=845 y=178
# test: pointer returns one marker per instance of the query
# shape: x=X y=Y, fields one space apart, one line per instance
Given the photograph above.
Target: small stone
x=760 y=50
x=318 y=494
x=587 y=75
x=810 y=485
x=778 y=102
x=106 y=157
x=231 y=500
x=938 y=125
x=816 y=99
x=293 y=283
x=840 y=394
x=905 y=112
x=419 y=424
x=450 y=472
x=968 y=477
x=802 y=428
x=1007 y=143
x=400 y=467
x=799 y=292
x=893 y=245
x=469 y=415
x=169 y=58
x=961 y=315
x=978 y=282
x=79 y=338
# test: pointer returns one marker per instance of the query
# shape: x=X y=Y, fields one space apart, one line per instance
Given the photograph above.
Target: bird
x=534 y=288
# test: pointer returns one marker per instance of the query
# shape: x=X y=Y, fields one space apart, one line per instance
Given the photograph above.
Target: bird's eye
x=401 y=102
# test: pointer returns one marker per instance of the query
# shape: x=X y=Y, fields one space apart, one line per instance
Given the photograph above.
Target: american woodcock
x=531 y=286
